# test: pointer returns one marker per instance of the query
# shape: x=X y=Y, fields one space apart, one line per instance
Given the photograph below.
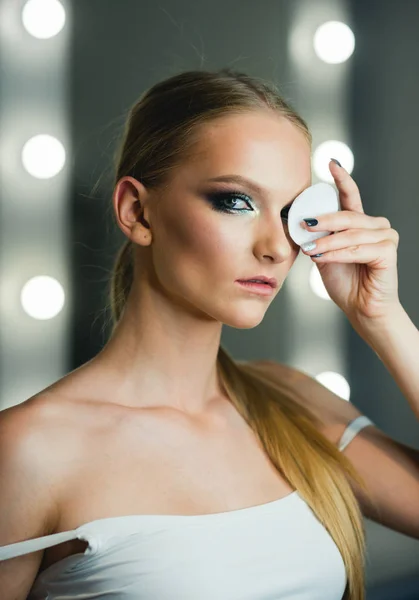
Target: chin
x=245 y=324
x=240 y=313
x=246 y=318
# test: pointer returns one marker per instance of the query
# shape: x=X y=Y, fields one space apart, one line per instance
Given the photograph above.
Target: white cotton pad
x=316 y=200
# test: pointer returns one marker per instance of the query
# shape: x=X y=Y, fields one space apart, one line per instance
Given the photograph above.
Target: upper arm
x=27 y=505
x=389 y=468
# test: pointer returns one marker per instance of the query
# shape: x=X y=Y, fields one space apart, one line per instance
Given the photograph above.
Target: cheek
x=212 y=244
x=197 y=247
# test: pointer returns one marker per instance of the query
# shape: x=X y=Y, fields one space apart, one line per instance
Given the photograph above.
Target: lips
x=261 y=279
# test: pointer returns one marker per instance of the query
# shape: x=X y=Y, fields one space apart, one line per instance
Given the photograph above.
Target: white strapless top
x=273 y=551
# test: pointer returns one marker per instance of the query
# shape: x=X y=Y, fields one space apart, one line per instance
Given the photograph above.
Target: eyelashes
x=284 y=213
x=219 y=200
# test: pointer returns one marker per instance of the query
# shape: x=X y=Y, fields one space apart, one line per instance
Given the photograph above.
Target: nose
x=272 y=241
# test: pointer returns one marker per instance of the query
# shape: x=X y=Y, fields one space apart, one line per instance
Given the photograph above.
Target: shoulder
x=39 y=438
x=334 y=412
x=28 y=471
x=33 y=423
x=29 y=431
x=21 y=425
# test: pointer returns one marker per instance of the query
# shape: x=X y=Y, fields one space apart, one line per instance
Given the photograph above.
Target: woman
x=164 y=469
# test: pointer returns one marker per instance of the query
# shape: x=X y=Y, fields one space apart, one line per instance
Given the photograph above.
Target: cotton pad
x=318 y=199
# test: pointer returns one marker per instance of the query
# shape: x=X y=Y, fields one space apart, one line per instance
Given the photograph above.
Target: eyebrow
x=239 y=179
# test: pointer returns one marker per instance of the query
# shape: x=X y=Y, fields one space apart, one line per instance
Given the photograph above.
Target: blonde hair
x=159 y=132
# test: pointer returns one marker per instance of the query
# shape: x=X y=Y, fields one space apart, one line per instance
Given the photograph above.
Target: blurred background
x=70 y=71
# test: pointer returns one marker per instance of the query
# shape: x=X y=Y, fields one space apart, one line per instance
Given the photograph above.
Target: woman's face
x=200 y=246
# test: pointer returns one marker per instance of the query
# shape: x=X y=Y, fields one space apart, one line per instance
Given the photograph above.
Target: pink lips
x=263 y=289
x=261 y=278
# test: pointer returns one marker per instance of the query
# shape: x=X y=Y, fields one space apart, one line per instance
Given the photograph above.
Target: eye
x=284 y=212
x=220 y=201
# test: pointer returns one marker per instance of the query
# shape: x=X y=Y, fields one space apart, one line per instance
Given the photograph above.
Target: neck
x=162 y=354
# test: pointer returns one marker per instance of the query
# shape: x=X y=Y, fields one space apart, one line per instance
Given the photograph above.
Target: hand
x=358 y=265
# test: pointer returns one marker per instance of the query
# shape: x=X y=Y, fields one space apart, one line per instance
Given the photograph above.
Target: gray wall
x=385 y=125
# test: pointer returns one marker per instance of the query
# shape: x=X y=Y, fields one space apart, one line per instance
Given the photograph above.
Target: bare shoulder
x=49 y=444
x=33 y=424
x=30 y=476
x=22 y=425
x=39 y=439
x=55 y=426
x=28 y=435
x=27 y=496
x=333 y=411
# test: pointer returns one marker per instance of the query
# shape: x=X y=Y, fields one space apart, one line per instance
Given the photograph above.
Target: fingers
x=350 y=243
x=345 y=219
x=383 y=253
x=349 y=196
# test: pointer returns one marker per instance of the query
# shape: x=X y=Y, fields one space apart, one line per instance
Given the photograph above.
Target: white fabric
x=278 y=550
x=352 y=429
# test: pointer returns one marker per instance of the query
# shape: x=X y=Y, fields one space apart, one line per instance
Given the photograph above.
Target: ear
x=129 y=200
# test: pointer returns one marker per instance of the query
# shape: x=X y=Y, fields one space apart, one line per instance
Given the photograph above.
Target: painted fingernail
x=309 y=246
x=311 y=222
x=316 y=255
x=336 y=161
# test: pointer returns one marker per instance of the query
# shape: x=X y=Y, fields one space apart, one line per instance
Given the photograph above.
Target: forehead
x=262 y=146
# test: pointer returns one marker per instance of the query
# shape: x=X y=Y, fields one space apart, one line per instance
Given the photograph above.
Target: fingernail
x=311 y=222
x=336 y=161
x=309 y=246
x=316 y=255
